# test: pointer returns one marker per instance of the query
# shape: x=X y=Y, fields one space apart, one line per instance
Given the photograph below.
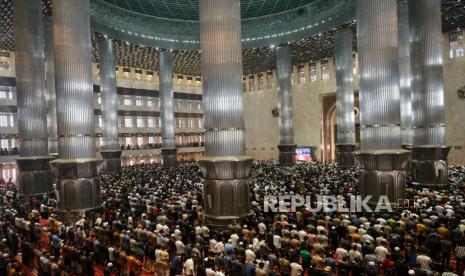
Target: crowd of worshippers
x=152 y=223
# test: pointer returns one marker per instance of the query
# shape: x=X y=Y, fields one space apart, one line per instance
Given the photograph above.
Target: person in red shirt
x=388 y=264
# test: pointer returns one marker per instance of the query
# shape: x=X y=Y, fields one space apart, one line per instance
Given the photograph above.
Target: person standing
x=163 y=262
x=189 y=267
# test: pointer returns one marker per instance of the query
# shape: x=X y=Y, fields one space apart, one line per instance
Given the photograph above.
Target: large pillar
x=225 y=166
x=381 y=161
x=110 y=151
x=168 y=142
x=345 y=116
x=405 y=76
x=34 y=174
x=429 y=154
x=286 y=122
x=76 y=168
x=50 y=95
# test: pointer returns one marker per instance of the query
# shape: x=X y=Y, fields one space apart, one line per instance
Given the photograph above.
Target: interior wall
x=262 y=129
x=454 y=78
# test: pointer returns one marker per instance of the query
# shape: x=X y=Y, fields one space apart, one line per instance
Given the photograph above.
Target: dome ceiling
x=189 y=9
x=258 y=59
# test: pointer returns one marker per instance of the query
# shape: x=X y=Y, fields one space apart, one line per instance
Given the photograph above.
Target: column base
x=169 y=157
x=382 y=173
x=78 y=184
x=408 y=169
x=429 y=165
x=345 y=155
x=406 y=147
x=287 y=154
x=112 y=161
x=226 y=188
x=34 y=175
x=217 y=224
x=69 y=217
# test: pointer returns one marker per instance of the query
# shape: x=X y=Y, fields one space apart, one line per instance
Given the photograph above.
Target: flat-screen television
x=304 y=154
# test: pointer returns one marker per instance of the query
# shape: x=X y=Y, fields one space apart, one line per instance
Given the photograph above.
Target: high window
x=140 y=141
x=324 y=70
x=456 y=44
x=261 y=82
x=127 y=121
x=150 y=122
x=301 y=73
x=129 y=141
x=251 y=84
x=4 y=119
x=4 y=143
x=312 y=71
x=140 y=122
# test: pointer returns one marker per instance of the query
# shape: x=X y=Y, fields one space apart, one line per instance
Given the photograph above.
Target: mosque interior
x=166 y=117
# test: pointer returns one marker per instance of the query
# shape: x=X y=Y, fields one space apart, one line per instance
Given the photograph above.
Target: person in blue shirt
x=55 y=243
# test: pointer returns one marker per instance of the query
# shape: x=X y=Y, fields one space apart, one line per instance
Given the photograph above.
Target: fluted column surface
x=50 y=95
x=379 y=74
x=73 y=68
x=30 y=81
x=108 y=95
x=345 y=88
x=220 y=37
x=405 y=75
x=427 y=72
x=284 y=71
x=165 y=71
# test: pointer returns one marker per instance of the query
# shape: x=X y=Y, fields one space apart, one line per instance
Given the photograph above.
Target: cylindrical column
x=405 y=75
x=427 y=72
x=110 y=150
x=32 y=109
x=168 y=143
x=429 y=155
x=382 y=162
x=225 y=167
x=222 y=77
x=76 y=169
x=73 y=73
x=286 y=122
x=50 y=94
x=379 y=74
x=345 y=116
x=30 y=82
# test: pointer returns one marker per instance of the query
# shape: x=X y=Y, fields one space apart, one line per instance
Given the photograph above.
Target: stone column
x=50 y=94
x=286 y=121
x=34 y=174
x=381 y=161
x=76 y=168
x=110 y=151
x=429 y=154
x=168 y=144
x=345 y=116
x=405 y=75
x=225 y=166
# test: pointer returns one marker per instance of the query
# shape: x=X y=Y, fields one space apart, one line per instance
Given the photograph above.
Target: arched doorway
x=329 y=135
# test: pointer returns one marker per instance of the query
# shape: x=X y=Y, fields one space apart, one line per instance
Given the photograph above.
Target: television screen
x=303 y=154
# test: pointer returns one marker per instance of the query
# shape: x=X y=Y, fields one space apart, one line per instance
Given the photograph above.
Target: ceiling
x=189 y=9
x=254 y=59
